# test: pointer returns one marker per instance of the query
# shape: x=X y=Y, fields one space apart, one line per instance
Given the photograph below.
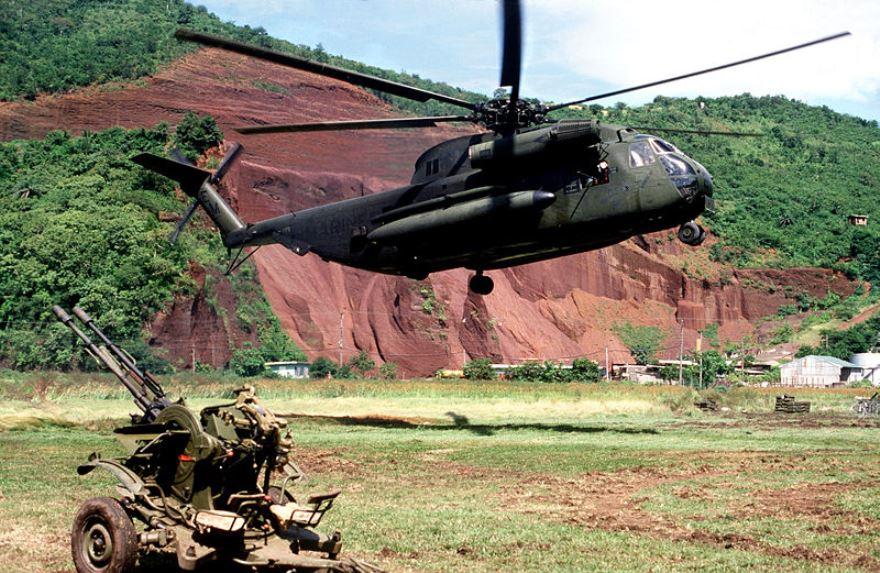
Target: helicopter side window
x=640 y=154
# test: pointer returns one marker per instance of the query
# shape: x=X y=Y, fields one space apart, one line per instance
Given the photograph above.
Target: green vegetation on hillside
x=784 y=198
x=57 y=45
x=859 y=338
x=79 y=224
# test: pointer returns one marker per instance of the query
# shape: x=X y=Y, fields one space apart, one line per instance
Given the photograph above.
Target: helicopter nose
x=707 y=185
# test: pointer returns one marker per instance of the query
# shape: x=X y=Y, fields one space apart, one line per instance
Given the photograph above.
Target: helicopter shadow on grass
x=461 y=422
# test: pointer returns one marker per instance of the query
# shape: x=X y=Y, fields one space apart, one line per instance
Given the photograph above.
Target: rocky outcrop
x=557 y=309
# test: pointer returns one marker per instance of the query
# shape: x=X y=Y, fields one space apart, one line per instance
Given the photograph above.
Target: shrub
x=196 y=134
x=642 y=341
x=388 y=371
x=479 y=369
x=553 y=372
x=361 y=363
x=321 y=367
x=585 y=370
x=529 y=370
x=247 y=361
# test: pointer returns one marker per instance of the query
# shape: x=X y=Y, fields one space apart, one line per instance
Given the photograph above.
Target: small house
x=819 y=372
x=289 y=369
x=858 y=220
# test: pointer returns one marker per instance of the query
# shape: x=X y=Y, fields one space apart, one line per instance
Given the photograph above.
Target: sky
x=576 y=48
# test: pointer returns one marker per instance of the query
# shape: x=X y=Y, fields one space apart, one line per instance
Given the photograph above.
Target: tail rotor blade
x=226 y=163
x=182 y=223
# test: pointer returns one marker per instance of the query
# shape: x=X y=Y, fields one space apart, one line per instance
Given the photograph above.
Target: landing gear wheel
x=691 y=234
x=481 y=284
x=103 y=539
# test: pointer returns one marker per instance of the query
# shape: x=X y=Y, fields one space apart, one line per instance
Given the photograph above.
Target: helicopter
x=528 y=188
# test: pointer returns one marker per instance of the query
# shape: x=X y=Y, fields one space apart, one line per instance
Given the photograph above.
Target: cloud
x=575 y=48
x=627 y=43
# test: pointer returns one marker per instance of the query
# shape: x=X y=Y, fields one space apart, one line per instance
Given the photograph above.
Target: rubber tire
x=691 y=234
x=109 y=513
x=481 y=284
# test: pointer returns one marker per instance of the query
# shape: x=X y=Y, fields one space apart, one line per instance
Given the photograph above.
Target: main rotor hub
x=499 y=115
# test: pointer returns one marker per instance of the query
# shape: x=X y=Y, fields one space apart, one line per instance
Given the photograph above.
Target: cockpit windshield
x=640 y=154
x=675 y=165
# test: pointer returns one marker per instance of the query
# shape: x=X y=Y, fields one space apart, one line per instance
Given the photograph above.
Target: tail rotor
x=225 y=164
x=198 y=184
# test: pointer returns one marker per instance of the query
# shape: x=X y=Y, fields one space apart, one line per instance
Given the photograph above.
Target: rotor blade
x=354 y=124
x=698 y=131
x=349 y=76
x=183 y=221
x=511 y=60
x=226 y=162
x=706 y=71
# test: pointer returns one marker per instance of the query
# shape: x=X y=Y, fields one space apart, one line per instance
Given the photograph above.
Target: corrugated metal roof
x=833 y=360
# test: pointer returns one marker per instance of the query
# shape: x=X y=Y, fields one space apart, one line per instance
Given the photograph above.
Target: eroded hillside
x=552 y=310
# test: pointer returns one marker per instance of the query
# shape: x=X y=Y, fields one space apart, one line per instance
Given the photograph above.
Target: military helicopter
x=529 y=188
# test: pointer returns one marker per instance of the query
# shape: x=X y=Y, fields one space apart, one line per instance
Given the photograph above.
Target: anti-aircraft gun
x=212 y=486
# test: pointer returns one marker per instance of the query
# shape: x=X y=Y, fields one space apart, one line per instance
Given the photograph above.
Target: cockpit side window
x=662 y=147
x=675 y=165
x=640 y=154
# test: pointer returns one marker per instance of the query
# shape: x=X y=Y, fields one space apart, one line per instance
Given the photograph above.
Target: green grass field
x=460 y=476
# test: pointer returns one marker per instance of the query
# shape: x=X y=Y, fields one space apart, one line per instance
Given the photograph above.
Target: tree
x=669 y=372
x=479 y=369
x=361 y=363
x=529 y=370
x=196 y=134
x=585 y=370
x=642 y=341
x=322 y=366
x=276 y=345
x=247 y=361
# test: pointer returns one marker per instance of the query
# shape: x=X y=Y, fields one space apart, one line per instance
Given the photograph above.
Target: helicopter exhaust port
x=691 y=234
x=481 y=284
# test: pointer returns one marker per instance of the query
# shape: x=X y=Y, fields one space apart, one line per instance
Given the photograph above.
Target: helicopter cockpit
x=682 y=170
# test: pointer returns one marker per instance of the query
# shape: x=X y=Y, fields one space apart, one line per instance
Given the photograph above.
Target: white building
x=819 y=372
x=870 y=365
x=289 y=369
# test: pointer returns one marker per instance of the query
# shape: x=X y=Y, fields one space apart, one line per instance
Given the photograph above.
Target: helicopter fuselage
x=489 y=201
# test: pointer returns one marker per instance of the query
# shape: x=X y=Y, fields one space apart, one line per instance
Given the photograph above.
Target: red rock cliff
x=558 y=309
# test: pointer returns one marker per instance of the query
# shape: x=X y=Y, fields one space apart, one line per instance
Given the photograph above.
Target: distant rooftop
x=832 y=360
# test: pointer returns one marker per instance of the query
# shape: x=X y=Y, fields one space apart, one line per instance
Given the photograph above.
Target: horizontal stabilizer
x=189 y=177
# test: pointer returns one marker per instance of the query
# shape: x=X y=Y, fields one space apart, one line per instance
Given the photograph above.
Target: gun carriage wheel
x=103 y=539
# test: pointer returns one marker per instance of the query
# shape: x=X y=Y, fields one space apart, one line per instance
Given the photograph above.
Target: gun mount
x=212 y=486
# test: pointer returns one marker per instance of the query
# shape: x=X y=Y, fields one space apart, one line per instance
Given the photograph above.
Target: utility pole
x=341 y=326
x=607 y=371
x=681 y=354
x=700 y=350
